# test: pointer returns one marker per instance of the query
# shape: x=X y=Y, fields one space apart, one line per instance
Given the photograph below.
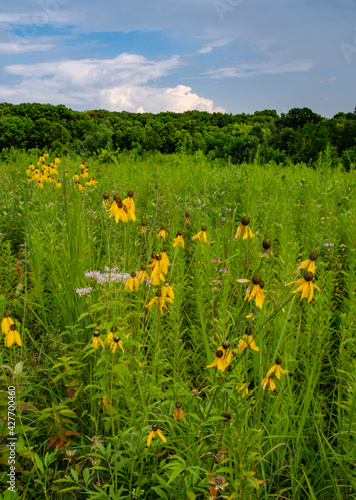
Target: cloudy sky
x=236 y=56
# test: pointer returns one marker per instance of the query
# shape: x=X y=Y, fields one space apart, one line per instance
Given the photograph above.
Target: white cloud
x=220 y=42
x=266 y=68
x=127 y=82
x=14 y=47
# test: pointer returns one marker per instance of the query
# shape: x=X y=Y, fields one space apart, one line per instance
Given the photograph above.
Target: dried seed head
x=219 y=480
x=266 y=243
x=308 y=276
x=225 y=344
x=96 y=333
x=187 y=214
x=116 y=339
x=278 y=361
x=130 y=194
x=144 y=222
x=133 y=274
x=154 y=427
x=219 y=457
x=178 y=404
x=219 y=354
x=248 y=331
x=313 y=256
x=203 y=227
x=180 y=233
x=13 y=327
x=245 y=220
x=261 y=284
x=227 y=416
x=256 y=278
x=106 y=196
x=143 y=267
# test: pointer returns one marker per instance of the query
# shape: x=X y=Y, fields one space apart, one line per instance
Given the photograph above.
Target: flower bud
x=187 y=214
x=225 y=344
x=266 y=243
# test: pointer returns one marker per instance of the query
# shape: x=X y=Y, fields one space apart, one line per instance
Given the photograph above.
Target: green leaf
x=176 y=471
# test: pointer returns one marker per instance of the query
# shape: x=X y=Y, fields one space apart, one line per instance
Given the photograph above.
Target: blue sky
x=236 y=56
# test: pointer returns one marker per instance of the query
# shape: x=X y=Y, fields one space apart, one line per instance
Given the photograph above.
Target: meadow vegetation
x=146 y=416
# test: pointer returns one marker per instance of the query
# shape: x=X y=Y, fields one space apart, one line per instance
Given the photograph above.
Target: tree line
x=298 y=136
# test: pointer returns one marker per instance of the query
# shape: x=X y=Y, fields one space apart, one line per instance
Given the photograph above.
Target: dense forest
x=298 y=136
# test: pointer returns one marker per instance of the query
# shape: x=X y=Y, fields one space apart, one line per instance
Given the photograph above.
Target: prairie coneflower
x=167 y=290
x=114 y=342
x=119 y=212
x=58 y=185
x=178 y=240
x=202 y=234
x=160 y=266
x=106 y=202
x=178 y=412
x=129 y=206
x=222 y=357
x=132 y=282
x=57 y=159
x=6 y=323
x=306 y=286
x=276 y=369
x=243 y=227
x=247 y=342
x=269 y=380
x=186 y=220
x=163 y=233
x=142 y=275
x=266 y=244
x=75 y=177
x=256 y=292
x=143 y=226
x=243 y=386
x=161 y=301
x=12 y=336
x=309 y=263
x=155 y=432
x=165 y=258
x=97 y=340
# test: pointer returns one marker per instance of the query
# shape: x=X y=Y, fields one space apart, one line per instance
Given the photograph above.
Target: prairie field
x=209 y=379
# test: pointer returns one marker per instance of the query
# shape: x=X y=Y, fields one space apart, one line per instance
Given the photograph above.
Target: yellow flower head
x=257 y=291
x=243 y=227
x=178 y=412
x=247 y=342
x=97 y=340
x=163 y=233
x=309 y=263
x=160 y=265
x=266 y=244
x=6 y=323
x=142 y=275
x=202 y=234
x=306 y=286
x=269 y=380
x=243 y=386
x=277 y=369
x=167 y=290
x=12 y=336
x=161 y=301
x=179 y=239
x=144 y=226
x=222 y=357
x=155 y=432
x=132 y=282
x=129 y=206
x=114 y=342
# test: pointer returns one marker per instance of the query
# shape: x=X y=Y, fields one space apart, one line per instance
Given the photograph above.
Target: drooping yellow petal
x=161 y=436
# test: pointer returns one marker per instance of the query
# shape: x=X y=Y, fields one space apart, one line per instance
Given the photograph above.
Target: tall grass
x=297 y=442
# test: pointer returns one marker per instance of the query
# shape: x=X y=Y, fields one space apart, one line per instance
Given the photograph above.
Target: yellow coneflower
x=58 y=185
x=129 y=206
x=80 y=186
x=248 y=342
x=178 y=412
x=179 y=239
x=97 y=340
x=106 y=202
x=93 y=181
x=256 y=293
x=167 y=290
x=266 y=244
x=161 y=301
x=117 y=210
x=201 y=235
x=243 y=386
x=66 y=174
x=222 y=357
x=163 y=233
x=142 y=275
x=57 y=159
x=243 y=227
x=40 y=185
x=165 y=258
x=132 y=282
x=160 y=267
x=306 y=286
x=309 y=263
x=269 y=380
x=277 y=369
x=114 y=342
x=186 y=220
x=12 y=336
x=143 y=226
x=6 y=323
x=75 y=177
x=155 y=432
x=28 y=171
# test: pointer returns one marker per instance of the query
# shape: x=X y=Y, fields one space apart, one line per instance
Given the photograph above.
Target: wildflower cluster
x=84 y=174
x=43 y=173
